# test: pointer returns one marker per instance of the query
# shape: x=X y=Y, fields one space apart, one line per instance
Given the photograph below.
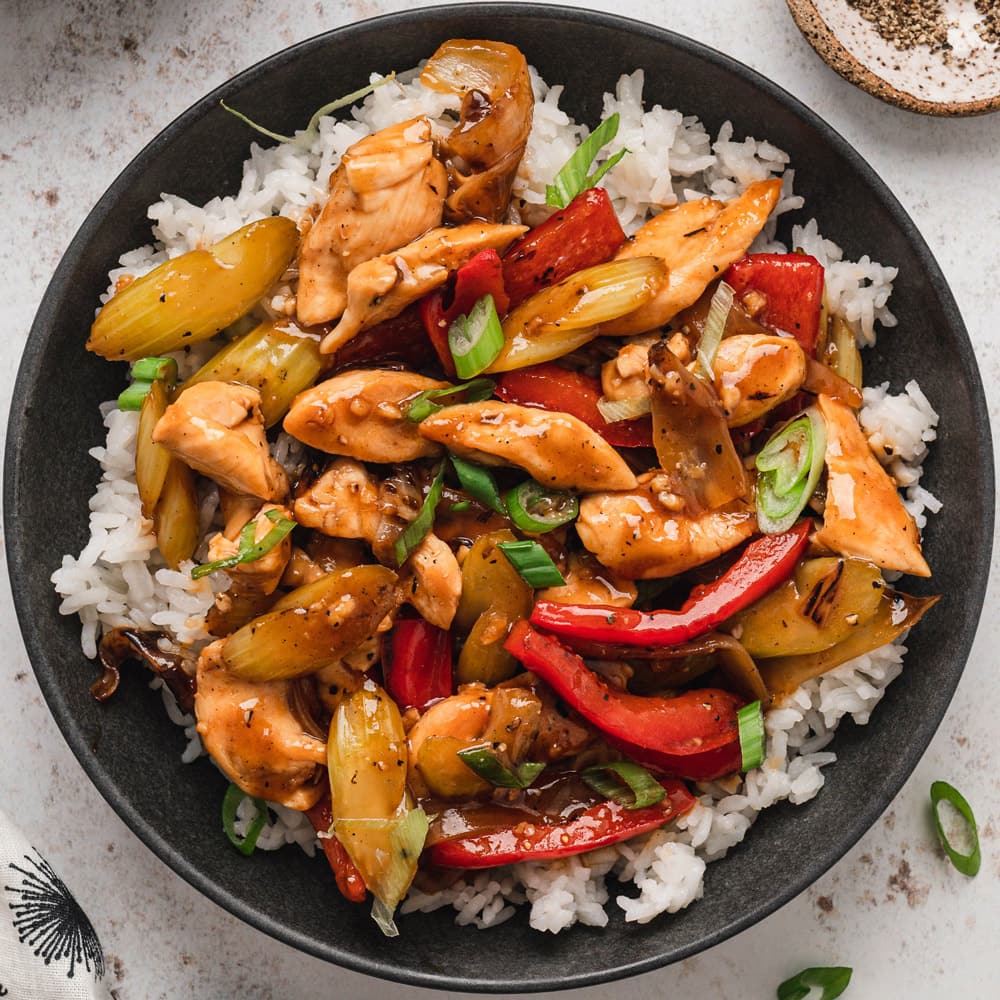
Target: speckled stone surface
x=83 y=86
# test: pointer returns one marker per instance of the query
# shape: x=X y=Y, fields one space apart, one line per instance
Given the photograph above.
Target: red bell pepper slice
x=550 y=387
x=402 y=338
x=480 y=276
x=793 y=286
x=416 y=663
x=607 y=632
x=600 y=825
x=585 y=233
x=349 y=881
x=695 y=735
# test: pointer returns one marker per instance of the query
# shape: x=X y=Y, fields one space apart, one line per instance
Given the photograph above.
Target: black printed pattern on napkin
x=48 y=918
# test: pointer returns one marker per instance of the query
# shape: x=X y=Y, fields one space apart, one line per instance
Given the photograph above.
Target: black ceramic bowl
x=131 y=751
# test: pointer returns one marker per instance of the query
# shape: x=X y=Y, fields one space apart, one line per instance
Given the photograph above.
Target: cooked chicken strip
x=557 y=449
x=342 y=503
x=217 y=429
x=384 y=286
x=639 y=535
x=360 y=414
x=260 y=576
x=697 y=240
x=388 y=189
x=755 y=374
x=864 y=515
x=433 y=582
x=256 y=735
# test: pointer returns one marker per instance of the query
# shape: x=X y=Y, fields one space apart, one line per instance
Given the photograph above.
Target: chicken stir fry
x=533 y=574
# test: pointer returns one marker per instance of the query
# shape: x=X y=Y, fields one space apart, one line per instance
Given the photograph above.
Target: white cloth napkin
x=48 y=949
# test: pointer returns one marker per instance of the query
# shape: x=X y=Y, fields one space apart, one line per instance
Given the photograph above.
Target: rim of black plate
x=19 y=559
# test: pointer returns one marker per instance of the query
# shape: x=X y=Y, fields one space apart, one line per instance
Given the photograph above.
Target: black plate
x=130 y=750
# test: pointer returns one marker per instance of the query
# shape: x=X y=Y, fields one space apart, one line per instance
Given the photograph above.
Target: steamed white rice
x=118 y=579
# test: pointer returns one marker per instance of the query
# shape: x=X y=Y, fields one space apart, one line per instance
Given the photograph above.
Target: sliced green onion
x=431 y=401
x=478 y=483
x=418 y=528
x=249 y=550
x=789 y=467
x=151 y=369
x=715 y=326
x=614 y=410
x=626 y=783
x=535 y=509
x=305 y=139
x=144 y=373
x=230 y=804
x=132 y=397
x=475 y=340
x=967 y=864
x=533 y=563
x=461 y=505
x=573 y=178
x=488 y=765
x=750 y=720
x=832 y=980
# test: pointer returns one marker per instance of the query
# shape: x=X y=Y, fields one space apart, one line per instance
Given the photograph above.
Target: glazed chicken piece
x=755 y=374
x=697 y=240
x=342 y=502
x=360 y=414
x=344 y=677
x=217 y=429
x=322 y=555
x=388 y=189
x=588 y=582
x=642 y=533
x=624 y=376
x=260 y=735
x=384 y=286
x=556 y=448
x=433 y=581
x=864 y=515
x=260 y=576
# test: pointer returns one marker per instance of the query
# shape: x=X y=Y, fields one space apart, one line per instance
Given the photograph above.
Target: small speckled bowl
x=129 y=748
x=916 y=79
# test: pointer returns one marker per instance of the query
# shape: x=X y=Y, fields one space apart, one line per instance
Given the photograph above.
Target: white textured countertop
x=83 y=87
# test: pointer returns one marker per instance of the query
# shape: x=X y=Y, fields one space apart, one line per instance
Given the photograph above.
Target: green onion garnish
x=433 y=400
x=488 y=765
x=151 y=369
x=249 y=550
x=479 y=483
x=534 y=509
x=967 y=864
x=573 y=178
x=144 y=373
x=715 y=326
x=418 y=528
x=832 y=980
x=533 y=563
x=234 y=796
x=626 y=783
x=750 y=720
x=789 y=467
x=305 y=139
x=460 y=506
x=475 y=340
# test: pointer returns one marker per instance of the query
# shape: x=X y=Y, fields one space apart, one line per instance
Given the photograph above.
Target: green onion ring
x=789 y=467
x=230 y=803
x=626 y=783
x=475 y=340
x=967 y=864
x=536 y=510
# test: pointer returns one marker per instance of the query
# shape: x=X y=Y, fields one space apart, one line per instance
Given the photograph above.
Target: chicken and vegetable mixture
x=576 y=507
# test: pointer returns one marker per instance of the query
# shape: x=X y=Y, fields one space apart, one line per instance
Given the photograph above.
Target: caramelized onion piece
x=483 y=151
x=677 y=666
x=123 y=644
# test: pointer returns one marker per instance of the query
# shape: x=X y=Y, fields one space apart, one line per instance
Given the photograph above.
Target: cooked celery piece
x=276 y=358
x=194 y=296
x=715 y=326
x=296 y=641
x=842 y=353
x=367 y=759
x=565 y=316
x=175 y=520
x=151 y=460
